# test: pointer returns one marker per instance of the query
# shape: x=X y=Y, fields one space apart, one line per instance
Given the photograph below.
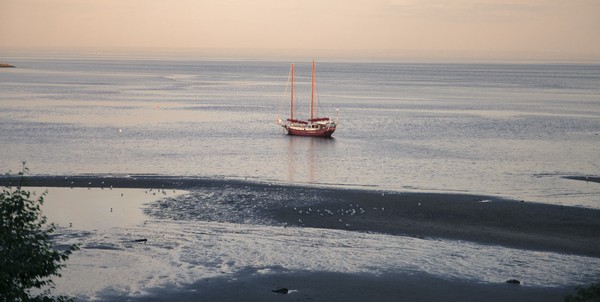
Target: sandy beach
x=484 y=220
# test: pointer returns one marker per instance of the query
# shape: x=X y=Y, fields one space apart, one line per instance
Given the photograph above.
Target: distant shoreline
x=5 y=65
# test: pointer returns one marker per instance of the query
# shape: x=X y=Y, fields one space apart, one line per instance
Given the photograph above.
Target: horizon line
x=400 y=55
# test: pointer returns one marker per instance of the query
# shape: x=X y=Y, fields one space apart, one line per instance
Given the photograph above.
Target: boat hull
x=326 y=132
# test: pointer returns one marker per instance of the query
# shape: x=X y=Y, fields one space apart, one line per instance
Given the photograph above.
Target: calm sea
x=508 y=130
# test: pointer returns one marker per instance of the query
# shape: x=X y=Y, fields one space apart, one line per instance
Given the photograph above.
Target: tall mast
x=292 y=107
x=312 y=94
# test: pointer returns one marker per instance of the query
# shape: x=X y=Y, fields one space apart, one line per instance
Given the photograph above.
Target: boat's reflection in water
x=307 y=156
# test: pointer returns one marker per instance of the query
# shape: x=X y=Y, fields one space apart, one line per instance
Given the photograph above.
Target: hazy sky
x=442 y=28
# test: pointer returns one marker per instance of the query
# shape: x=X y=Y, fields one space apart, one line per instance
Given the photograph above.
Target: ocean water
x=502 y=129
x=509 y=130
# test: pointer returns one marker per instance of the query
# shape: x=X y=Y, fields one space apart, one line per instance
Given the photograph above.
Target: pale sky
x=438 y=28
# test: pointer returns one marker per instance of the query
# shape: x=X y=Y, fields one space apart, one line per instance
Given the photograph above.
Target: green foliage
x=586 y=294
x=28 y=260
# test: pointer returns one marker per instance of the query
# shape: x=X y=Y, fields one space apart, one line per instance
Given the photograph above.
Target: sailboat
x=314 y=126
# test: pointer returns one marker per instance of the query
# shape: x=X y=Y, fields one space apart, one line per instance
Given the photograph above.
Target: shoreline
x=479 y=219
x=595 y=179
x=464 y=217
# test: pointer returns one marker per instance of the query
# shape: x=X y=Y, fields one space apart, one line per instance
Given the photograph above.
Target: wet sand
x=326 y=286
x=584 y=178
x=480 y=219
